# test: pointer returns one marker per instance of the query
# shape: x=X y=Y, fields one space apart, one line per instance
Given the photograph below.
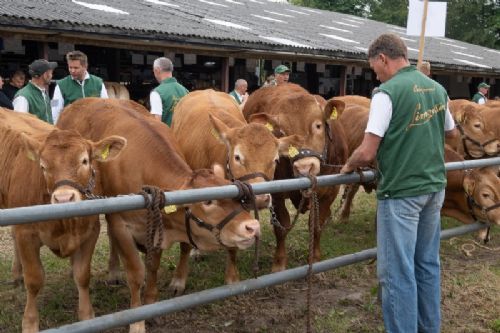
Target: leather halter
x=466 y=138
x=216 y=230
x=86 y=191
x=484 y=210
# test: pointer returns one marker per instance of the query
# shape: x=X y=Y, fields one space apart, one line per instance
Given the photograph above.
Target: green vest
x=170 y=92
x=477 y=97
x=411 y=154
x=236 y=97
x=37 y=104
x=71 y=90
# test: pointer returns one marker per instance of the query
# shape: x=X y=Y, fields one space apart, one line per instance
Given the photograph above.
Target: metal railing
x=132 y=202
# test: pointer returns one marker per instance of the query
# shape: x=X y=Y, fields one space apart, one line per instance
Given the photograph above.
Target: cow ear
x=108 y=148
x=459 y=115
x=219 y=170
x=270 y=121
x=31 y=146
x=219 y=130
x=333 y=109
x=469 y=183
x=288 y=145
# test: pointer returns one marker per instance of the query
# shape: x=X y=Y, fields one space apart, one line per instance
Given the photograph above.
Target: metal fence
x=132 y=202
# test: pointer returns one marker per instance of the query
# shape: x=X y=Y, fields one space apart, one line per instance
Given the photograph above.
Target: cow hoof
x=139 y=327
x=278 y=268
x=177 y=287
x=196 y=255
x=232 y=280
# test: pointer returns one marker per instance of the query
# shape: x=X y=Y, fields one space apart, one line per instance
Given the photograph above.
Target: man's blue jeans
x=408 y=231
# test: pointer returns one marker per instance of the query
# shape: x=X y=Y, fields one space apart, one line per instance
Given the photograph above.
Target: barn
x=214 y=42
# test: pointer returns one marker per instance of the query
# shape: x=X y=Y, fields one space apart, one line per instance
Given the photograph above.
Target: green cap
x=281 y=69
x=483 y=85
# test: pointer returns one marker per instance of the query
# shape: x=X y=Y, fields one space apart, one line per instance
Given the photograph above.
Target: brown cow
x=153 y=157
x=41 y=164
x=295 y=111
x=491 y=116
x=476 y=141
x=212 y=130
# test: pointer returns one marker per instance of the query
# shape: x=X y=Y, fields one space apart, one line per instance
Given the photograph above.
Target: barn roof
x=244 y=24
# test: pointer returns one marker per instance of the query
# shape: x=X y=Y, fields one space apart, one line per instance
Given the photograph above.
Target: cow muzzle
x=65 y=194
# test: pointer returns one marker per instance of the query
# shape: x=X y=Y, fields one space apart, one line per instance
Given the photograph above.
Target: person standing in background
x=16 y=82
x=5 y=101
x=79 y=84
x=482 y=91
x=164 y=97
x=239 y=93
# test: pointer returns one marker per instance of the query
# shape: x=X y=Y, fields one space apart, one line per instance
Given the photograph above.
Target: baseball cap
x=483 y=85
x=281 y=69
x=40 y=66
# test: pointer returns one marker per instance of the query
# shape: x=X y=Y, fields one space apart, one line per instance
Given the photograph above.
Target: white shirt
x=21 y=103
x=482 y=100
x=57 y=102
x=381 y=114
x=155 y=103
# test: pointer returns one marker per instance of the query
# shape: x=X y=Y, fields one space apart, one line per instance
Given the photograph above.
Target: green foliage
x=495 y=325
x=473 y=21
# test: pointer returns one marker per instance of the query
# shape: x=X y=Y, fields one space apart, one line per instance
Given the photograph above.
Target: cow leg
x=232 y=275
x=81 y=261
x=29 y=255
x=178 y=283
x=325 y=204
x=114 y=276
x=132 y=263
x=17 y=268
x=151 y=289
x=345 y=210
x=280 y=257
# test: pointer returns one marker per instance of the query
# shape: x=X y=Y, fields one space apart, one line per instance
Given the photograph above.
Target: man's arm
x=21 y=104
x=156 y=105
x=450 y=130
x=364 y=155
x=104 y=92
x=57 y=103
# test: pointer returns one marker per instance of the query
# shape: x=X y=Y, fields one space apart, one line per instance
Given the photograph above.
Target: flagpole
x=422 y=35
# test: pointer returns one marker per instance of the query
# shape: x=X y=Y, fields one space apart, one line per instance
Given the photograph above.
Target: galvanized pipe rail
x=39 y=213
x=144 y=312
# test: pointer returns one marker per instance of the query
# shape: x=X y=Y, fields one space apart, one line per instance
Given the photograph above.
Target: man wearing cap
x=34 y=97
x=78 y=84
x=281 y=74
x=480 y=96
x=164 y=97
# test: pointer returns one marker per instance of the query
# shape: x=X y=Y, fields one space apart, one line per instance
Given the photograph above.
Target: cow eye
x=85 y=161
x=477 y=125
x=208 y=202
x=485 y=195
x=318 y=126
x=237 y=158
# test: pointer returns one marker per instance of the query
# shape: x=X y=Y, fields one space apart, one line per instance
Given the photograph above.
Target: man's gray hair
x=164 y=64
x=240 y=82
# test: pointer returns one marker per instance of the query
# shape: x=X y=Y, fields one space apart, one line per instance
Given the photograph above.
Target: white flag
x=436 y=19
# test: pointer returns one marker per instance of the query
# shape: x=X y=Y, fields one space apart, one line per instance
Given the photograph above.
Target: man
x=480 y=96
x=239 y=93
x=281 y=74
x=425 y=68
x=5 y=102
x=78 y=84
x=164 y=97
x=406 y=132
x=34 y=97
x=16 y=82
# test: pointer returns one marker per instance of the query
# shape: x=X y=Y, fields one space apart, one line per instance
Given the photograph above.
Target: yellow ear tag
x=105 y=153
x=334 y=113
x=292 y=151
x=30 y=155
x=269 y=126
x=170 y=209
x=215 y=134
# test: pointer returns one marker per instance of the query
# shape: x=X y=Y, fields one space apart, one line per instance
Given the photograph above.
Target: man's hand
x=347 y=168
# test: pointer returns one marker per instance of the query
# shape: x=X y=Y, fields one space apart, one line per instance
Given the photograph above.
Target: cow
x=475 y=140
x=153 y=157
x=40 y=165
x=491 y=115
x=211 y=129
x=294 y=111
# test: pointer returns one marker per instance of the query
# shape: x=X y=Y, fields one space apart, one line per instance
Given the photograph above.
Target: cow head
x=476 y=139
x=253 y=152
x=218 y=222
x=67 y=161
x=482 y=187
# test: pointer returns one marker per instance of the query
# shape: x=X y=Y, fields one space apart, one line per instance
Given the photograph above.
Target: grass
x=344 y=300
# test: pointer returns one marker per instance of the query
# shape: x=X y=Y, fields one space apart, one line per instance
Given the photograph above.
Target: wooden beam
x=224 y=75
x=343 y=81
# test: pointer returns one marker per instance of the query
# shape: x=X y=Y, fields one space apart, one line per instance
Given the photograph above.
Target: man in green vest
x=78 y=84
x=482 y=91
x=407 y=125
x=281 y=74
x=239 y=93
x=164 y=97
x=34 y=97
